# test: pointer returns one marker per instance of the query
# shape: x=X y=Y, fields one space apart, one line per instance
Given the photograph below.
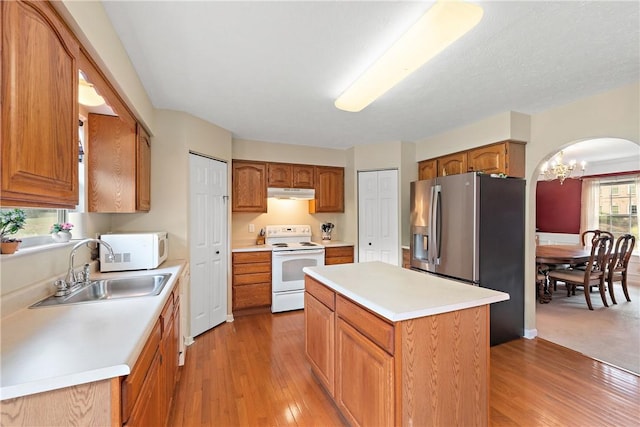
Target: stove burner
x=307 y=244
x=279 y=245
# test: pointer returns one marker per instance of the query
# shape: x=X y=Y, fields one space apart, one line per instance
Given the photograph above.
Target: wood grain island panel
x=428 y=369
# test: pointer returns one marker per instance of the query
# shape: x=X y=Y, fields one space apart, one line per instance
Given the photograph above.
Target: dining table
x=554 y=255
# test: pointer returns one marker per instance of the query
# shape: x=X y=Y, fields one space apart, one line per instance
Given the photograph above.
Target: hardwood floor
x=253 y=372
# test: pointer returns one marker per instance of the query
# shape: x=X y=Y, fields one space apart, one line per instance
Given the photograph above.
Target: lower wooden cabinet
x=364 y=384
x=251 y=287
x=319 y=327
x=406 y=258
x=147 y=391
x=432 y=370
x=338 y=255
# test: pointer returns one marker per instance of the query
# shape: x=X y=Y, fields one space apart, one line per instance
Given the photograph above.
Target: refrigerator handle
x=438 y=224
x=434 y=235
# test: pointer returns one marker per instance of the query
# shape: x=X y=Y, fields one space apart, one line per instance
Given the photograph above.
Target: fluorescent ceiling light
x=445 y=22
x=87 y=94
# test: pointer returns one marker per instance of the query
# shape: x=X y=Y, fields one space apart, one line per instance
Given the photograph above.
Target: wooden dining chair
x=587 y=239
x=592 y=275
x=618 y=264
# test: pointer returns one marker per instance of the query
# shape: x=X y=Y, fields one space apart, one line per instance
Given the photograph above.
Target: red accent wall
x=558 y=206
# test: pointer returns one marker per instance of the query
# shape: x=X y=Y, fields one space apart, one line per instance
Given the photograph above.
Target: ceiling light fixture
x=559 y=170
x=445 y=22
x=87 y=94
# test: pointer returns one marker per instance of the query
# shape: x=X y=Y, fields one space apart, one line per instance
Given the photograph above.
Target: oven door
x=287 y=272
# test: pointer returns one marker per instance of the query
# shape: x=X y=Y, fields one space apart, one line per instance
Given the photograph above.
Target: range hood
x=291 y=193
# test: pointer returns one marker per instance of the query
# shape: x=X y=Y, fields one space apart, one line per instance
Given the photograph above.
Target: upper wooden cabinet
x=143 y=169
x=279 y=175
x=249 y=186
x=39 y=107
x=329 y=190
x=428 y=169
x=302 y=176
x=288 y=175
x=452 y=164
x=118 y=160
x=507 y=157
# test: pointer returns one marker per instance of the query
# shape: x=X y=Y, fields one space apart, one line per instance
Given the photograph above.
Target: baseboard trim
x=530 y=333
x=229 y=318
x=188 y=341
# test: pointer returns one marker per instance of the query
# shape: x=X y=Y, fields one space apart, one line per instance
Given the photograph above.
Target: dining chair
x=592 y=275
x=618 y=264
x=584 y=237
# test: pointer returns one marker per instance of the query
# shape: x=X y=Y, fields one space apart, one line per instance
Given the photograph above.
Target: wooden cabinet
x=111 y=164
x=302 y=176
x=148 y=409
x=286 y=175
x=338 y=255
x=279 y=175
x=408 y=372
x=406 y=258
x=142 y=372
x=452 y=164
x=148 y=390
x=39 y=107
x=364 y=386
x=507 y=157
x=251 y=287
x=319 y=306
x=249 y=186
x=329 y=190
x=428 y=169
x=143 y=169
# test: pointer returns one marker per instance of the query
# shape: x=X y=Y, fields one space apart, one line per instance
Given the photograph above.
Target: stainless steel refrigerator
x=470 y=227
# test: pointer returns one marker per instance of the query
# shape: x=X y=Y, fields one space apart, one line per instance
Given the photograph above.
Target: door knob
x=369 y=243
x=217 y=252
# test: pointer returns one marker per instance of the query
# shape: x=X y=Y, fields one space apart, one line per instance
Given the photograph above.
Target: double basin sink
x=109 y=289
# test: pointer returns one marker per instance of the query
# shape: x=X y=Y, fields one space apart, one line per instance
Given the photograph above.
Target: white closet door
x=378 y=216
x=208 y=243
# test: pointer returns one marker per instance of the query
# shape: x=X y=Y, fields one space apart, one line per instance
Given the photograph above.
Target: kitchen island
x=393 y=346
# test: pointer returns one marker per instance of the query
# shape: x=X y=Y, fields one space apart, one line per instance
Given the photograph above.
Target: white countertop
x=332 y=243
x=397 y=293
x=53 y=347
x=250 y=248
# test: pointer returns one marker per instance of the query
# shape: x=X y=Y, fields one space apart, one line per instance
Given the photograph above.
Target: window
x=618 y=205
x=39 y=221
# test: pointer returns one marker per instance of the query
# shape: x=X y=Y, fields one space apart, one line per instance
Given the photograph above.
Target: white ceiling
x=271 y=71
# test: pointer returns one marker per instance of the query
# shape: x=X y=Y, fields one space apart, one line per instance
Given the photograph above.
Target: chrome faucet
x=71 y=282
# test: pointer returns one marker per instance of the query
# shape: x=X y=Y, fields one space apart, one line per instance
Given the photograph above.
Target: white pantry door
x=208 y=243
x=378 y=216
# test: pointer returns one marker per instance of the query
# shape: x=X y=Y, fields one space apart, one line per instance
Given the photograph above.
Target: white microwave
x=134 y=251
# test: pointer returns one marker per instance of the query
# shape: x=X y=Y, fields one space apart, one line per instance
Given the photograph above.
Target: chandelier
x=559 y=170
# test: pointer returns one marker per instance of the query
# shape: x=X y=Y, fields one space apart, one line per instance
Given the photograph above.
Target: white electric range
x=292 y=250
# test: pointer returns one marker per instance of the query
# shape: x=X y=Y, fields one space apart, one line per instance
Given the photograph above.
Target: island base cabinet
x=426 y=371
x=319 y=328
x=364 y=385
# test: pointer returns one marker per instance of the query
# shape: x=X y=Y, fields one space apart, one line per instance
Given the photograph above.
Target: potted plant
x=61 y=232
x=11 y=221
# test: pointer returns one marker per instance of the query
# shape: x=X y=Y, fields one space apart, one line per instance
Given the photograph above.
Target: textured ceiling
x=271 y=71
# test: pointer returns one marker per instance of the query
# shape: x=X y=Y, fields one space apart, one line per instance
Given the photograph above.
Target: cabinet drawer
x=251 y=279
x=258 y=267
x=133 y=382
x=338 y=260
x=320 y=292
x=373 y=327
x=340 y=251
x=251 y=257
x=258 y=295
